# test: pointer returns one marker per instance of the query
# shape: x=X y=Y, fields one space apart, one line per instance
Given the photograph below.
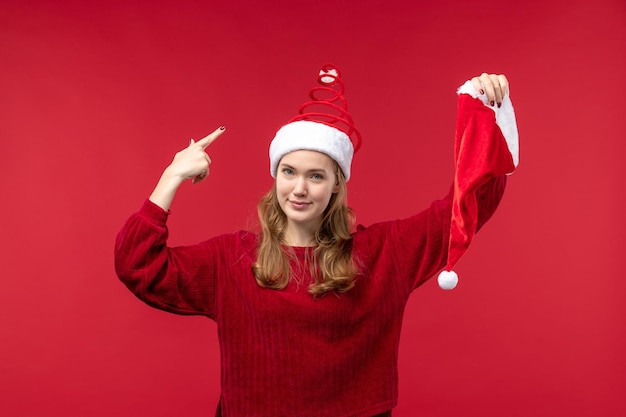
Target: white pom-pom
x=447 y=280
x=333 y=75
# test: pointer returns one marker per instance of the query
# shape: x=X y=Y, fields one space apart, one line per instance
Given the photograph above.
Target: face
x=305 y=182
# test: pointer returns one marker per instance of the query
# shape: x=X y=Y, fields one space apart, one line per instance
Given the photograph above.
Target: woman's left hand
x=496 y=86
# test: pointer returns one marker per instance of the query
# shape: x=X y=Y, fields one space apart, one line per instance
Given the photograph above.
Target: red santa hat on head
x=323 y=124
x=486 y=146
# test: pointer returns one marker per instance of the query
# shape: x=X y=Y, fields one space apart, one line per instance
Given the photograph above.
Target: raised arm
x=486 y=149
x=180 y=280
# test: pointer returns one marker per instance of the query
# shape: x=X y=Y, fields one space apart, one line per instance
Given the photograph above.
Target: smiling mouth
x=298 y=204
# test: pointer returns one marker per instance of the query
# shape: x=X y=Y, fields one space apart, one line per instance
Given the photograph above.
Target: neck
x=299 y=236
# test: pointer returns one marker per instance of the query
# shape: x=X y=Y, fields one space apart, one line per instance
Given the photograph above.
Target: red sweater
x=284 y=353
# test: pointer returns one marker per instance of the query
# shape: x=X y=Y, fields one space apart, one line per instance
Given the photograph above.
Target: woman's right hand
x=191 y=163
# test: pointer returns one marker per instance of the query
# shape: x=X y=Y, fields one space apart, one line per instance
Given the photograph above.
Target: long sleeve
x=412 y=250
x=179 y=280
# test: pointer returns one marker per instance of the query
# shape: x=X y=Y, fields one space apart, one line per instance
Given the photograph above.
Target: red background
x=95 y=98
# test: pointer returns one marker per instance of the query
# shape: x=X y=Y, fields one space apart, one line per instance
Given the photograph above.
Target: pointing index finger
x=210 y=138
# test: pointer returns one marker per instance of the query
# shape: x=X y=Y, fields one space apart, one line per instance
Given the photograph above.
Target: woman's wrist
x=166 y=188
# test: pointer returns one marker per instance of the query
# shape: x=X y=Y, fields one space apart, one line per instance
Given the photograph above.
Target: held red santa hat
x=486 y=145
x=322 y=124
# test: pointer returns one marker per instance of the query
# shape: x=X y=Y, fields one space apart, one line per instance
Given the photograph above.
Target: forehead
x=308 y=160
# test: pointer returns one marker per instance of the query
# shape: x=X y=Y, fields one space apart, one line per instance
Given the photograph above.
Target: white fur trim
x=311 y=136
x=505 y=118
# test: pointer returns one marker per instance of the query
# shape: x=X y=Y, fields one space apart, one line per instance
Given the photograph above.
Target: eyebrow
x=314 y=170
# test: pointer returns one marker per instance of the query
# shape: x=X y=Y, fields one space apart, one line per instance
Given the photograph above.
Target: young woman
x=309 y=310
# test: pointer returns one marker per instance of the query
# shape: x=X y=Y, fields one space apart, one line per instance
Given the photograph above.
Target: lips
x=299 y=204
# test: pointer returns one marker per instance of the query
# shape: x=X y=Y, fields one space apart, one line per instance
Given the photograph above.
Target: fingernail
x=482 y=92
x=492 y=103
x=499 y=105
x=222 y=127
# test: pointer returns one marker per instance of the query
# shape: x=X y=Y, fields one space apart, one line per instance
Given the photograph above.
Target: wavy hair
x=331 y=263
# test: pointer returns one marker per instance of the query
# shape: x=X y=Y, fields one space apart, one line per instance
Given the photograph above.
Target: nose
x=299 y=188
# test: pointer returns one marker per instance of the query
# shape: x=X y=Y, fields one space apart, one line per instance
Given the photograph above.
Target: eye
x=287 y=171
x=317 y=177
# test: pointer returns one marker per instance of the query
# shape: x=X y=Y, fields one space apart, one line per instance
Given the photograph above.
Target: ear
x=336 y=187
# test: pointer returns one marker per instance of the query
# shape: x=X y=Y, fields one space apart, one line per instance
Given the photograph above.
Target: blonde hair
x=331 y=262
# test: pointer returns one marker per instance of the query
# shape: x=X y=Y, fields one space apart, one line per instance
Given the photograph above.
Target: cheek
x=282 y=187
x=324 y=194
